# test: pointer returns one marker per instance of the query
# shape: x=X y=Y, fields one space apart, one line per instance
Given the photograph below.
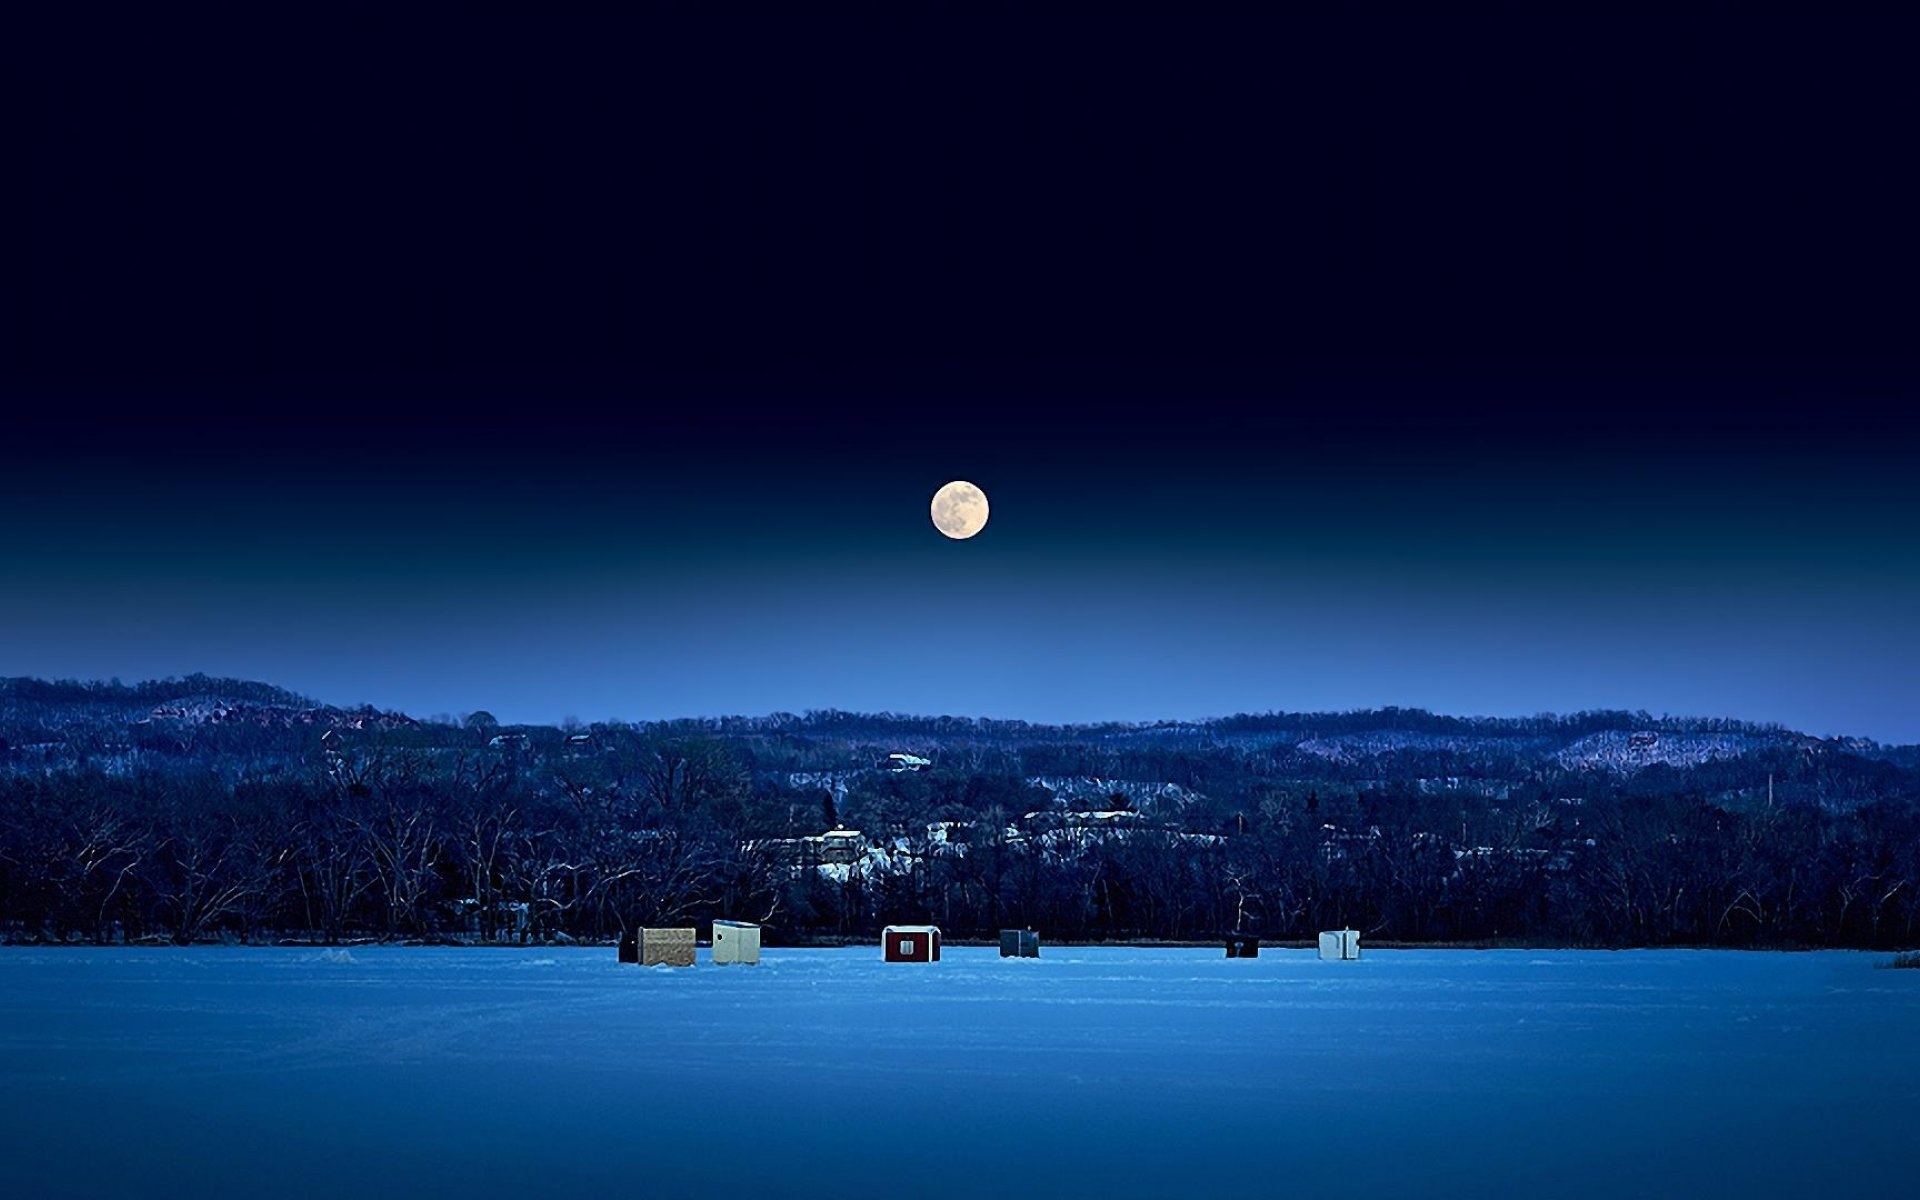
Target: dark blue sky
x=1489 y=361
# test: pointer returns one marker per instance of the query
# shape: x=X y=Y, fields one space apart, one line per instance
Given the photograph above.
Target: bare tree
x=396 y=813
x=215 y=866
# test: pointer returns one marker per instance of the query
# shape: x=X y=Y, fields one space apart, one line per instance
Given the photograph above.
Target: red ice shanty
x=911 y=943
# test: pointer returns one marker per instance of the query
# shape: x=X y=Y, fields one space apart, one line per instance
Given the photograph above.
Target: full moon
x=959 y=509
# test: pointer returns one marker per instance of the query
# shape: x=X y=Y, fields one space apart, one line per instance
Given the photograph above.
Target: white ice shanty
x=736 y=942
x=1340 y=944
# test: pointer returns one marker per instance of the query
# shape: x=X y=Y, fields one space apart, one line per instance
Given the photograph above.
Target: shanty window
x=906 y=945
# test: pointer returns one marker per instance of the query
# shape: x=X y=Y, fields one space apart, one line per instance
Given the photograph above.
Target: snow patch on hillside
x=1078 y=792
x=1625 y=753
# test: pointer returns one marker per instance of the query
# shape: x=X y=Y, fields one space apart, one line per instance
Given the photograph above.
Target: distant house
x=1104 y=818
x=905 y=762
x=502 y=920
x=910 y=943
x=842 y=845
x=835 y=847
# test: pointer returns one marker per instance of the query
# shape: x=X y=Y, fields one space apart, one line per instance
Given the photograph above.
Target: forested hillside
x=202 y=808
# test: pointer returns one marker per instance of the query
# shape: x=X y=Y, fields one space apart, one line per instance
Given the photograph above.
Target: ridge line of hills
x=29 y=705
x=198 y=808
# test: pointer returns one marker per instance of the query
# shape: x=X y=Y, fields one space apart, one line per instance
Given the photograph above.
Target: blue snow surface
x=1096 y=1072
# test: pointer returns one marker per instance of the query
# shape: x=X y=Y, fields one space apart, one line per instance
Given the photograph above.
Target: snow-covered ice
x=1098 y=1072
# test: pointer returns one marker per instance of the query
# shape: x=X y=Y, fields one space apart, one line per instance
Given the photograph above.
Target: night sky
x=1494 y=360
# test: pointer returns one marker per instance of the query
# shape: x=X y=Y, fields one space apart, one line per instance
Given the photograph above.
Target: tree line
x=464 y=832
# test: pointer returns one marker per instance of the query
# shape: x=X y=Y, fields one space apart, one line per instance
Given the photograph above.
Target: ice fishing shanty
x=910 y=943
x=1340 y=944
x=666 y=947
x=736 y=942
x=1019 y=943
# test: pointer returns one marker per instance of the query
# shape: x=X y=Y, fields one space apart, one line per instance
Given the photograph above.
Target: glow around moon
x=959 y=509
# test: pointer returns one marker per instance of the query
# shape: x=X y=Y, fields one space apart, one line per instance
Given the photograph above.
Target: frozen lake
x=1096 y=1072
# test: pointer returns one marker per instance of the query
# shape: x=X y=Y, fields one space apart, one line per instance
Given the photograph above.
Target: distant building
x=836 y=847
x=502 y=920
x=905 y=762
x=842 y=845
x=1103 y=818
